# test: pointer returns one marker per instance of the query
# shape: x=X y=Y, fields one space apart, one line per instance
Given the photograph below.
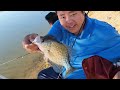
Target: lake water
x=14 y=26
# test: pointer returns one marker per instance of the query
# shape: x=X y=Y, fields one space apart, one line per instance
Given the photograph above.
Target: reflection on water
x=14 y=25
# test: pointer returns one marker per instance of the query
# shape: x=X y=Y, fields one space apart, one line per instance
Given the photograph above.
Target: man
x=97 y=45
x=51 y=17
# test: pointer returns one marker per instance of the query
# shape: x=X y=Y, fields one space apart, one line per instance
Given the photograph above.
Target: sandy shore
x=33 y=72
x=38 y=65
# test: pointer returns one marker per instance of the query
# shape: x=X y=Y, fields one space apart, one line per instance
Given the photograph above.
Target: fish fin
x=69 y=71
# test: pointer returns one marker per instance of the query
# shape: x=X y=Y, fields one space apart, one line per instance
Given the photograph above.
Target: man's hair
x=81 y=11
x=51 y=17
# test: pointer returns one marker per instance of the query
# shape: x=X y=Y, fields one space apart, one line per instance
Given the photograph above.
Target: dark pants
x=48 y=73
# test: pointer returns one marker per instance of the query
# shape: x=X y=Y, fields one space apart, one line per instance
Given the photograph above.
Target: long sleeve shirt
x=97 y=38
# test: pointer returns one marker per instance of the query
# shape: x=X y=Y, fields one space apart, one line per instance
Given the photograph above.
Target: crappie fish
x=55 y=51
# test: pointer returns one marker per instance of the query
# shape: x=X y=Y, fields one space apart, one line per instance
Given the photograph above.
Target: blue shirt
x=97 y=38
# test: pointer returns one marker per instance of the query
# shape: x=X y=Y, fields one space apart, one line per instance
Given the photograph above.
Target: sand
x=38 y=65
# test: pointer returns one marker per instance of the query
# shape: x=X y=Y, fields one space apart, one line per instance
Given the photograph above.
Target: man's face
x=71 y=20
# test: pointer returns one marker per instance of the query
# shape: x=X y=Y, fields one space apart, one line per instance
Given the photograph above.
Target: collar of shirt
x=87 y=29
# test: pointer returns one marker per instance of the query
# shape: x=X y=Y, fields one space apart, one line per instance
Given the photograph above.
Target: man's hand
x=28 y=45
x=117 y=75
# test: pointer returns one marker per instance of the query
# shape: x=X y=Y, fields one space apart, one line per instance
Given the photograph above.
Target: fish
x=55 y=51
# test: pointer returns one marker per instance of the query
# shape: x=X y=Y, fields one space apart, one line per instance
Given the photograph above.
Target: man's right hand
x=28 y=45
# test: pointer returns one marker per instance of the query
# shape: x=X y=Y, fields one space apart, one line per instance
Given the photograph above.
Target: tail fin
x=69 y=71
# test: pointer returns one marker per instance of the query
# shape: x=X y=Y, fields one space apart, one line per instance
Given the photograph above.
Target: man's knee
x=117 y=75
x=48 y=73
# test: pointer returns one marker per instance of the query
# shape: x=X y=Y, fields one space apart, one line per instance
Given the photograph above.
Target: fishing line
x=14 y=59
